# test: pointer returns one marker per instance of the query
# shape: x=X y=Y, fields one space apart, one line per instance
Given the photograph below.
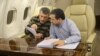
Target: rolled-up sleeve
x=75 y=35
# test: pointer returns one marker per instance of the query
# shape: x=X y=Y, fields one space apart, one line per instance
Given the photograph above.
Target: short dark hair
x=58 y=13
x=45 y=10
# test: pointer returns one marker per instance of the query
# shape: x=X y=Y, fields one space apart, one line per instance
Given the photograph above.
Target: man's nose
x=42 y=18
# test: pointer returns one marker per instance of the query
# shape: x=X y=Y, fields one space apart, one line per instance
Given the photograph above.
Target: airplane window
x=26 y=12
x=10 y=16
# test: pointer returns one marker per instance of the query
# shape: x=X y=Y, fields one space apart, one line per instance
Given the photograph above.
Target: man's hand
x=34 y=26
x=38 y=36
x=59 y=43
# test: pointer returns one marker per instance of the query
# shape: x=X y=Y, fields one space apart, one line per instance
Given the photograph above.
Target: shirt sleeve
x=75 y=35
x=52 y=32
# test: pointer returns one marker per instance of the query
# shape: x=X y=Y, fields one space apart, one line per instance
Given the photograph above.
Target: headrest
x=78 y=9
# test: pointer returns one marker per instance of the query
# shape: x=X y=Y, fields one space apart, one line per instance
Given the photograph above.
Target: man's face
x=54 y=20
x=43 y=17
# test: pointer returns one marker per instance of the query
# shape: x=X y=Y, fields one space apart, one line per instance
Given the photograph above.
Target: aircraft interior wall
x=2 y=7
x=63 y=4
x=16 y=16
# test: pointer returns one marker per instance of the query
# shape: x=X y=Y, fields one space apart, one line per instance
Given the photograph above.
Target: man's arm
x=32 y=21
x=52 y=33
x=74 y=32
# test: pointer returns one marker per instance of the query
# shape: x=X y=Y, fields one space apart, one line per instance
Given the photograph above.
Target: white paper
x=31 y=30
x=69 y=46
x=47 y=43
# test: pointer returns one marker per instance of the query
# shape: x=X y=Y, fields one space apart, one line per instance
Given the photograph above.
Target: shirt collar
x=64 y=23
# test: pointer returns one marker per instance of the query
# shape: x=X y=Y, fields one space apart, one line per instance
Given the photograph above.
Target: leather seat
x=83 y=15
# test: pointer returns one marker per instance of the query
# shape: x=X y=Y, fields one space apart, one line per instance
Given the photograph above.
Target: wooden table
x=13 y=50
x=79 y=51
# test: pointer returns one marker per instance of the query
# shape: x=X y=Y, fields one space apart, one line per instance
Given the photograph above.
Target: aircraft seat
x=83 y=15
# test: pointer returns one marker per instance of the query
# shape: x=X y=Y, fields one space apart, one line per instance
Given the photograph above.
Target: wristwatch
x=65 y=41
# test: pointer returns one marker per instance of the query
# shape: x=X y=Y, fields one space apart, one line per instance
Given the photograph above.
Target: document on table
x=49 y=44
x=69 y=46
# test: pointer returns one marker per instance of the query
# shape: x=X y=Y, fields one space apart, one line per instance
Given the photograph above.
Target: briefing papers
x=31 y=30
x=49 y=44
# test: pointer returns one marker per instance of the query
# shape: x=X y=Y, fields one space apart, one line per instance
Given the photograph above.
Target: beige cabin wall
x=63 y=4
x=57 y=3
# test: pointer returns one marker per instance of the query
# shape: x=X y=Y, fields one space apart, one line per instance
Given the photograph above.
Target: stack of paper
x=69 y=46
x=49 y=44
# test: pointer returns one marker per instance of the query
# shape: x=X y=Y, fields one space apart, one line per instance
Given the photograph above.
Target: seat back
x=83 y=15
